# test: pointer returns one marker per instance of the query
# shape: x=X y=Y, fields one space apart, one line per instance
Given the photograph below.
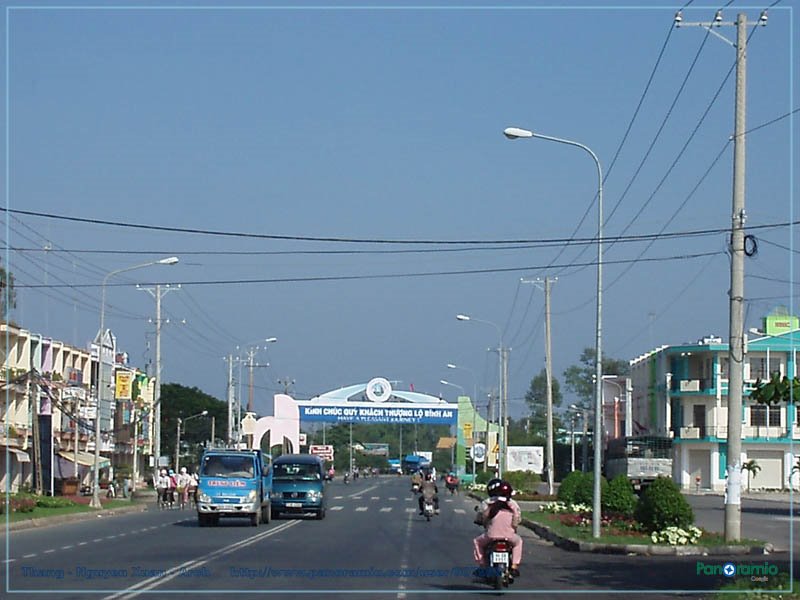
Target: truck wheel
x=214 y=520
x=266 y=514
x=202 y=520
x=255 y=518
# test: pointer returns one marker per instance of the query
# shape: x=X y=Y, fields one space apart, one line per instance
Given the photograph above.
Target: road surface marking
x=392 y=497
x=338 y=497
x=97 y=540
x=66 y=547
x=375 y=498
x=460 y=511
x=411 y=510
x=49 y=551
x=409 y=499
x=110 y=537
x=386 y=509
x=82 y=543
x=336 y=508
x=9 y=560
x=29 y=555
x=448 y=499
x=361 y=508
x=175 y=571
x=122 y=534
x=356 y=497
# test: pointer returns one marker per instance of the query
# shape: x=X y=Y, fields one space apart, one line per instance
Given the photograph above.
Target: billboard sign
x=525 y=458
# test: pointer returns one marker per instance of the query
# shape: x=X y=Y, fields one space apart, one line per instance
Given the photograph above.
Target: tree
x=752 y=468
x=8 y=295
x=776 y=390
x=579 y=379
x=536 y=397
x=180 y=401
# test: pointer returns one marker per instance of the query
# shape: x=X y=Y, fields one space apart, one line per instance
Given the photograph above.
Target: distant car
x=298 y=485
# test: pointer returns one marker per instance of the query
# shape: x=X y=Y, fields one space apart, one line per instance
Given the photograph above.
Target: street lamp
x=251 y=352
x=503 y=391
x=178 y=441
x=95 y=503
x=444 y=382
x=513 y=133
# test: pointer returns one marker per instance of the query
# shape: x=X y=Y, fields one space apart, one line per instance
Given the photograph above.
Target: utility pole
x=549 y=375
x=158 y=292
x=229 y=438
x=251 y=352
x=733 y=508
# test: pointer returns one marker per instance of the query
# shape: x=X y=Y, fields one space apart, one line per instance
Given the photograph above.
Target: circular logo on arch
x=379 y=390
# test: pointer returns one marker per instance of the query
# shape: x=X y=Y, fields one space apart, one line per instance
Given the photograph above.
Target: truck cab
x=234 y=483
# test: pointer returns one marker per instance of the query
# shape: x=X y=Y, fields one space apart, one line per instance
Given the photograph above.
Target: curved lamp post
x=178 y=439
x=95 y=503
x=514 y=133
x=503 y=395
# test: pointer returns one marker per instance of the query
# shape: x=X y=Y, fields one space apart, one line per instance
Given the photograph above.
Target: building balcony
x=693 y=386
x=703 y=432
x=764 y=432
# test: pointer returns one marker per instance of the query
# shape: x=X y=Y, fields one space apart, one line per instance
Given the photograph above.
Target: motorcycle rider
x=429 y=492
x=451 y=481
x=501 y=516
x=416 y=479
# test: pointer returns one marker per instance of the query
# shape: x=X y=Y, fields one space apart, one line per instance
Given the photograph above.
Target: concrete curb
x=642 y=549
x=571 y=545
x=75 y=517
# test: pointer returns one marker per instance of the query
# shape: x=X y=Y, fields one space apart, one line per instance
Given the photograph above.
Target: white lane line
x=460 y=511
x=386 y=509
x=338 y=497
x=361 y=508
x=356 y=497
x=148 y=584
x=448 y=499
x=408 y=499
x=392 y=497
x=122 y=534
x=29 y=555
x=82 y=543
x=97 y=540
x=335 y=507
x=49 y=551
x=9 y=560
x=66 y=547
x=375 y=498
x=411 y=510
x=110 y=537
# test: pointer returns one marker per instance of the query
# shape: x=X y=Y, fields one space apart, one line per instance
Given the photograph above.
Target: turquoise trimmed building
x=681 y=392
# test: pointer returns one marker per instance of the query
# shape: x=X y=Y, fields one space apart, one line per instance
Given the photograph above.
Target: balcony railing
x=688 y=386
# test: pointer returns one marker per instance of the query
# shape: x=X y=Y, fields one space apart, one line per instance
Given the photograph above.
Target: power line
x=389 y=275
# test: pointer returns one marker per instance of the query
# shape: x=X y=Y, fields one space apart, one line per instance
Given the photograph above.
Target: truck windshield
x=295 y=472
x=227 y=466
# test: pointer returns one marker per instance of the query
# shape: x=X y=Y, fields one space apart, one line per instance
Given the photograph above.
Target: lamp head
x=451 y=366
x=204 y=413
x=462 y=317
x=168 y=261
x=443 y=382
x=514 y=133
x=271 y=340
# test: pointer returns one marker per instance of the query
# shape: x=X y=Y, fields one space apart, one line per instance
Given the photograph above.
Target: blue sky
x=386 y=124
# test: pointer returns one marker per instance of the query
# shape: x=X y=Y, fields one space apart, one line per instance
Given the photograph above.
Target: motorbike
x=427 y=509
x=415 y=488
x=346 y=478
x=452 y=487
x=497 y=561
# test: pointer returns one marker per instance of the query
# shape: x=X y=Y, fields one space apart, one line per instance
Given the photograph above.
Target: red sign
x=325 y=451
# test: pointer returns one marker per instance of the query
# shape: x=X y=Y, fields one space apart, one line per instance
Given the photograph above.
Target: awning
x=84 y=458
x=445 y=443
x=21 y=455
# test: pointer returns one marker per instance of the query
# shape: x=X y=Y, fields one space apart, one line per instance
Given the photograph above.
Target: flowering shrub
x=561 y=507
x=22 y=503
x=677 y=536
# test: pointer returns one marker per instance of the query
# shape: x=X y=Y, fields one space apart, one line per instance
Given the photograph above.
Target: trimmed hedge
x=662 y=505
x=620 y=497
x=569 y=487
x=522 y=481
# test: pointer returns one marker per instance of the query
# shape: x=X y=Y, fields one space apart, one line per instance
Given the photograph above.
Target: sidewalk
x=135 y=506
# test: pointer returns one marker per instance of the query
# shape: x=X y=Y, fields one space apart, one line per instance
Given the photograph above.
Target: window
x=761 y=414
x=723 y=367
x=758 y=368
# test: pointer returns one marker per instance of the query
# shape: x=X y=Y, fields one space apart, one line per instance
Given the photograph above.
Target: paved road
x=770 y=520
x=372 y=527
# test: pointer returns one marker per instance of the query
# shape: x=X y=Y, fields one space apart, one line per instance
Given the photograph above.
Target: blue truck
x=234 y=483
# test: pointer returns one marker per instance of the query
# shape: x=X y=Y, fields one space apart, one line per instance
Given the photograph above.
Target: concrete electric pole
x=733 y=509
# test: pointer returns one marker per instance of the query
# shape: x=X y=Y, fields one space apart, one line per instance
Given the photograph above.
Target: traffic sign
x=325 y=451
x=478 y=453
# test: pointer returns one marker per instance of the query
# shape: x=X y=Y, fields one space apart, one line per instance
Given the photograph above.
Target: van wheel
x=273 y=513
x=321 y=514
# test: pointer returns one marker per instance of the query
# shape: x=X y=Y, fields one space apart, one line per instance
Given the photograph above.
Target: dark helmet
x=504 y=491
x=491 y=487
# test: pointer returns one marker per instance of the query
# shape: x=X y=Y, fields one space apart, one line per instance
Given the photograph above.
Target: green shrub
x=54 y=502
x=569 y=486
x=584 y=493
x=620 y=497
x=522 y=481
x=662 y=505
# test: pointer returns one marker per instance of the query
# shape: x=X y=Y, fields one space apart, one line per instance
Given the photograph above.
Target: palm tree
x=752 y=468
